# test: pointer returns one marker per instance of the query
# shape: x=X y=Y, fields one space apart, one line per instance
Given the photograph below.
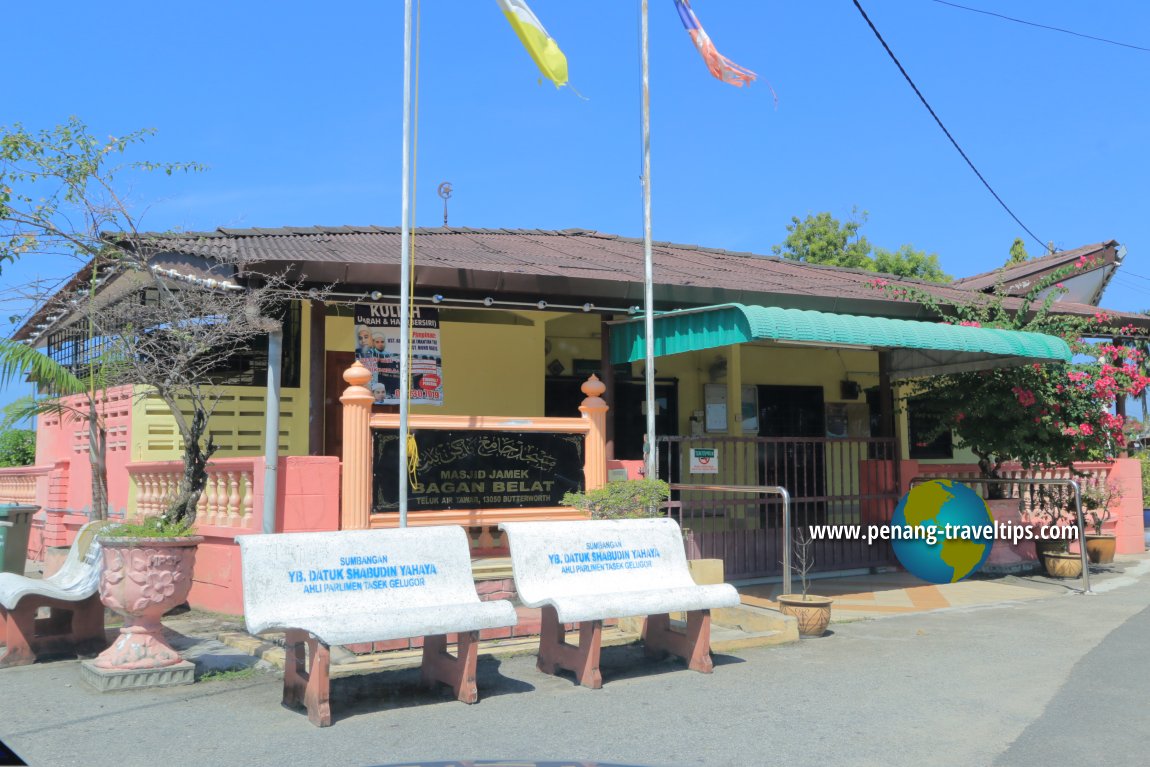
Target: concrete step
x=754 y=620
x=735 y=628
x=269 y=647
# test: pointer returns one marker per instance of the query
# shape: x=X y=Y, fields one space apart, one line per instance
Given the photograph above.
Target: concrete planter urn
x=1100 y=548
x=812 y=612
x=1063 y=564
x=142 y=579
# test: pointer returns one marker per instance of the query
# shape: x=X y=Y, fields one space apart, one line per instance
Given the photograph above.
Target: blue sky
x=295 y=108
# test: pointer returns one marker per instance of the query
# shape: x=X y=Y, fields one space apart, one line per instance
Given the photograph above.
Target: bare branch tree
x=135 y=319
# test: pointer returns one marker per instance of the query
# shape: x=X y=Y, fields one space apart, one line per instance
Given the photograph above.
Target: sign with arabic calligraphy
x=482 y=469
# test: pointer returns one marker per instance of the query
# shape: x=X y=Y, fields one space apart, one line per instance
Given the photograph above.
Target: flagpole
x=648 y=262
x=405 y=267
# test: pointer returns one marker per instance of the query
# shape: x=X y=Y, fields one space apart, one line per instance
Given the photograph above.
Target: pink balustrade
x=232 y=505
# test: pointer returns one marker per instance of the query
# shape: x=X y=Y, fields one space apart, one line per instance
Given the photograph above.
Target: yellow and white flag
x=543 y=49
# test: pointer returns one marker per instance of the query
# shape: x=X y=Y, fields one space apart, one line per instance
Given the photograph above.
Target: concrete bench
x=585 y=572
x=346 y=587
x=75 y=619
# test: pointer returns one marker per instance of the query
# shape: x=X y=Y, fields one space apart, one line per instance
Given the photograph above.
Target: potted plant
x=171 y=327
x=812 y=612
x=1097 y=498
x=1053 y=508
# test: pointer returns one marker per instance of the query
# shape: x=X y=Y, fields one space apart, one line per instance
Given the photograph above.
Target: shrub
x=624 y=499
x=17 y=447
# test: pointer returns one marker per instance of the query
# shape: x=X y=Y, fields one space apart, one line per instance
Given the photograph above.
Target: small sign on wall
x=704 y=460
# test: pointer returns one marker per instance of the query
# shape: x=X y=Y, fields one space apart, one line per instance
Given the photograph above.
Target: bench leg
x=87 y=626
x=555 y=653
x=19 y=631
x=456 y=671
x=694 y=646
x=307 y=676
x=70 y=627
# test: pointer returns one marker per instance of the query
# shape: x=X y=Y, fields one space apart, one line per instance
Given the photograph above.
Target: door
x=562 y=399
x=797 y=461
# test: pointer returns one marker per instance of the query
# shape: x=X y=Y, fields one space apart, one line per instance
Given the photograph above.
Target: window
x=924 y=436
x=73 y=348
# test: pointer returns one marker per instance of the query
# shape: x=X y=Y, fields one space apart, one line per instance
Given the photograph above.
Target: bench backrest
x=555 y=559
x=81 y=569
x=291 y=575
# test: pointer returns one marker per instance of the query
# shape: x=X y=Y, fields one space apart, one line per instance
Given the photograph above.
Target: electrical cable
x=1042 y=26
x=922 y=98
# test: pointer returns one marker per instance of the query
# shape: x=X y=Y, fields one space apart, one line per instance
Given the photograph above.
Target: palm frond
x=27 y=407
x=17 y=359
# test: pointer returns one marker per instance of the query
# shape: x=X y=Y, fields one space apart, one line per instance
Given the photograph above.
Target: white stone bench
x=75 y=619
x=346 y=587
x=584 y=572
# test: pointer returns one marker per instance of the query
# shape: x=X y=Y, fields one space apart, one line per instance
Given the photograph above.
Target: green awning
x=917 y=348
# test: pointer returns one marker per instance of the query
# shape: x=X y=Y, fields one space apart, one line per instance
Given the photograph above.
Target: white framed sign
x=704 y=460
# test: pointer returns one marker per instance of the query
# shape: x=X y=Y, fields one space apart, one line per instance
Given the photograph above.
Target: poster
x=837 y=420
x=377 y=346
x=478 y=469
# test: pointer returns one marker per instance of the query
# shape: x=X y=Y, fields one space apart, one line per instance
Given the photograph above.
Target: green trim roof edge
x=726 y=324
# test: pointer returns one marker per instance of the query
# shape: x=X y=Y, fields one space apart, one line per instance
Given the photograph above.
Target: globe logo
x=942 y=531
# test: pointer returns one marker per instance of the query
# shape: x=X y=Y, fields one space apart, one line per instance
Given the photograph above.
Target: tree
x=162 y=329
x=57 y=196
x=1018 y=252
x=822 y=239
x=1052 y=414
x=17 y=447
x=908 y=262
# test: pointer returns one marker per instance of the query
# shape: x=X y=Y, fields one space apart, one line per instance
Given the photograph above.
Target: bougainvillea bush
x=1052 y=414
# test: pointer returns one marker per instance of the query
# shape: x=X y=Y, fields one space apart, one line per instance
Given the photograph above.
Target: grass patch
x=230 y=676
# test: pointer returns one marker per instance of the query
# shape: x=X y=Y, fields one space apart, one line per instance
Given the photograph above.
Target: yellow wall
x=237 y=423
x=488 y=369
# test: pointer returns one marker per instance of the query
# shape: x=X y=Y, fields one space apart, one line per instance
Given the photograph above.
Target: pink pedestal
x=144 y=578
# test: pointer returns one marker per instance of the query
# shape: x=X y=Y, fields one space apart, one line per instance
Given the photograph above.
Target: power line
x=922 y=98
x=1043 y=26
x=1127 y=273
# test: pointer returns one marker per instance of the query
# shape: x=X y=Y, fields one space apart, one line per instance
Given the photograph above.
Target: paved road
x=1016 y=684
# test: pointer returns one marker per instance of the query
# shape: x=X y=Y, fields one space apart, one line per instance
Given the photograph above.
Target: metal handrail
x=1028 y=481
x=762 y=490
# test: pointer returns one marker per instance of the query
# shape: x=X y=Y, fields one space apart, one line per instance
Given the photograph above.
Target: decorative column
x=355 y=495
x=594 y=409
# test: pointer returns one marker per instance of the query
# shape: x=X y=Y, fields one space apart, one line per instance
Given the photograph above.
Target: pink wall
x=308 y=500
x=64 y=440
x=1127 y=520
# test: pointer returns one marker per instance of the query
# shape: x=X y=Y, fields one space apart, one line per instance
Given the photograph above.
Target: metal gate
x=832 y=482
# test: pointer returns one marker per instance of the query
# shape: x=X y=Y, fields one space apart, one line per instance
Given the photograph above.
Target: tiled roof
x=1019 y=273
x=569 y=253
x=568 y=257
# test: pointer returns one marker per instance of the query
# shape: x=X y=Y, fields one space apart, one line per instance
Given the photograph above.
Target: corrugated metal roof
x=918 y=348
